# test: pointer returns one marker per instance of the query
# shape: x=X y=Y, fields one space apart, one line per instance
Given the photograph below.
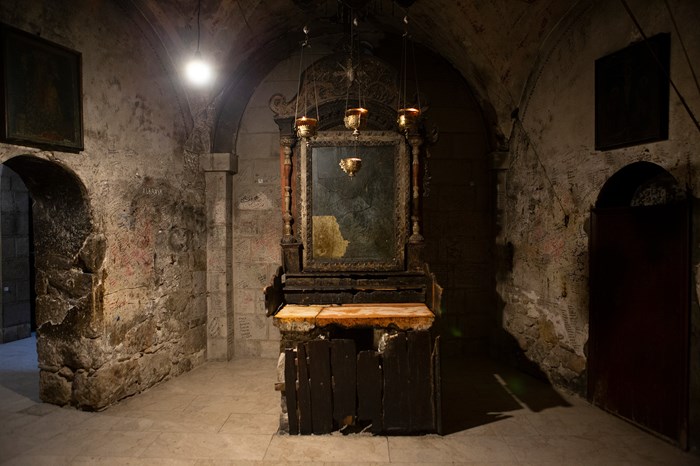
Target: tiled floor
x=227 y=414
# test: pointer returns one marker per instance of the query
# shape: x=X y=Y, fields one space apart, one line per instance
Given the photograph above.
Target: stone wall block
x=251 y=275
x=218 y=238
x=93 y=252
x=50 y=310
x=8 y=247
x=217 y=282
x=249 y=301
x=153 y=368
x=251 y=326
x=54 y=388
x=217 y=304
x=217 y=348
x=106 y=385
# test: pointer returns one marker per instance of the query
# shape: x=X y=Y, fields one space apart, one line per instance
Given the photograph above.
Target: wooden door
x=639 y=313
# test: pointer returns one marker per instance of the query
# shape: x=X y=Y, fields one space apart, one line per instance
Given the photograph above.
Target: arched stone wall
x=69 y=278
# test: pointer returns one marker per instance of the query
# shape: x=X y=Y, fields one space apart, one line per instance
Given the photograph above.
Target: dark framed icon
x=631 y=94
x=41 y=94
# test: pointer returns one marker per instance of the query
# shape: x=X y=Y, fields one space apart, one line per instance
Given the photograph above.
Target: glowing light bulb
x=198 y=71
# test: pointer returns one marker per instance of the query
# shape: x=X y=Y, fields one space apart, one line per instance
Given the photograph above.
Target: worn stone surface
x=119 y=228
x=555 y=176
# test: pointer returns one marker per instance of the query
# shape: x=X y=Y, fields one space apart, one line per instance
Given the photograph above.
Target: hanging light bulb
x=197 y=70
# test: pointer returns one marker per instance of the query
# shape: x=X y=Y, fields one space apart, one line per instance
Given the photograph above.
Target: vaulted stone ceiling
x=497 y=45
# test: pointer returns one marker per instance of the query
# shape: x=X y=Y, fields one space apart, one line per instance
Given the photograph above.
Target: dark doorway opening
x=17 y=308
x=639 y=301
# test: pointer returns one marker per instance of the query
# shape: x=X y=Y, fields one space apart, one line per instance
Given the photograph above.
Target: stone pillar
x=219 y=169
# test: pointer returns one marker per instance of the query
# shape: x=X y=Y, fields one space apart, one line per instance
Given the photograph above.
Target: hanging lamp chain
x=199 y=12
x=304 y=44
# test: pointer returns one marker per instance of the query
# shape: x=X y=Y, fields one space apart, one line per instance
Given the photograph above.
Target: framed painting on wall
x=41 y=94
x=631 y=94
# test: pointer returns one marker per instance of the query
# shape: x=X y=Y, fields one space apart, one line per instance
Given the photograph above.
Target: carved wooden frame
x=401 y=199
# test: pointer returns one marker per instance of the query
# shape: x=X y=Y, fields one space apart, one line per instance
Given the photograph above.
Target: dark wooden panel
x=320 y=381
x=420 y=389
x=403 y=296
x=344 y=374
x=437 y=377
x=304 y=392
x=290 y=390
x=369 y=389
x=639 y=312
x=396 y=385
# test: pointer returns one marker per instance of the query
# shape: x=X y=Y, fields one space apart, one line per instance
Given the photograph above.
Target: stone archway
x=68 y=260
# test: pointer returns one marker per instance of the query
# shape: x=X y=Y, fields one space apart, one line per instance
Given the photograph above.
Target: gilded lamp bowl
x=356 y=119
x=407 y=119
x=306 y=127
x=351 y=165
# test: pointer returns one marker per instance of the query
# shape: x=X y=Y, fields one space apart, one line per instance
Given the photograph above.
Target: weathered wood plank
x=290 y=390
x=396 y=385
x=437 y=374
x=369 y=389
x=344 y=374
x=420 y=393
x=320 y=381
x=304 y=392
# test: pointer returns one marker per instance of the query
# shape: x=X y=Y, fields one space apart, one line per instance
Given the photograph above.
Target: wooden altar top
x=403 y=316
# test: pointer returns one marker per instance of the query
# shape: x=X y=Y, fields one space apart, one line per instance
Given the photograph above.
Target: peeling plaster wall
x=555 y=176
x=145 y=247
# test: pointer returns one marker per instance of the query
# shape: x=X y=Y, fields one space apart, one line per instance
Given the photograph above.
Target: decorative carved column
x=219 y=169
x=290 y=243
x=286 y=143
x=416 y=240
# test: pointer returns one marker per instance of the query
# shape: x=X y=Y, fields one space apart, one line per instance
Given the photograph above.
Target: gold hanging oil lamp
x=408 y=117
x=351 y=165
x=305 y=126
x=355 y=117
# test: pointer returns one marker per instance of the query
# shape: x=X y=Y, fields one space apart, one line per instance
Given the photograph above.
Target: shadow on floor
x=477 y=391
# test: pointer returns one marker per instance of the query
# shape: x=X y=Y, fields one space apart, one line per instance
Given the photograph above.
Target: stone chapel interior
x=540 y=211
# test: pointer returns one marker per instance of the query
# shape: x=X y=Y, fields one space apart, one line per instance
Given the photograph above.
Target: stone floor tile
x=155 y=400
x=63 y=442
x=203 y=446
x=566 y=450
x=14 y=446
x=43 y=460
x=117 y=444
x=212 y=416
x=12 y=421
x=246 y=403
x=648 y=449
x=126 y=461
x=328 y=448
x=251 y=424
x=170 y=421
x=433 y=448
